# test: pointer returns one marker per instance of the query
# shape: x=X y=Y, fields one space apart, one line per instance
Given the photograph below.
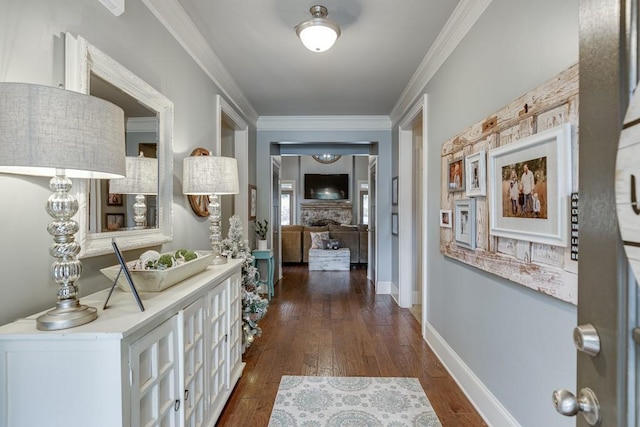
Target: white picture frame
x=465 y=223
x=445 y=218
x=550 y=154
x=476 y=174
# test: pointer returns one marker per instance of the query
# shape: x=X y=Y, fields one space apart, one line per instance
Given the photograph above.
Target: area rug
x=351 y=401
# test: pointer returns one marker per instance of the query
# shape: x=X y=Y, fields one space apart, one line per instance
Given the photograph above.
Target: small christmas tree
x=254 y=307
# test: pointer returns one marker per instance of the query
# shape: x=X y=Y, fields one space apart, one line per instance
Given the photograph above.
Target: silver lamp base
x=67 y=314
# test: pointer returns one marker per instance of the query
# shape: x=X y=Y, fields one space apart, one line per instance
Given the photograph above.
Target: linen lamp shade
x=142 y=177
x=210 y=175
x=44 y=128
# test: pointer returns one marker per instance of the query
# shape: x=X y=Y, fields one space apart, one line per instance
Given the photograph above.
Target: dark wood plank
x=334 y=324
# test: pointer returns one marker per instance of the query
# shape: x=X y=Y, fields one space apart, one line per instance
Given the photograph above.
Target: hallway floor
x=333 y=324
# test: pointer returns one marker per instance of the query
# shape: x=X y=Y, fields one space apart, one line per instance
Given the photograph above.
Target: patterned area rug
x=351 y=401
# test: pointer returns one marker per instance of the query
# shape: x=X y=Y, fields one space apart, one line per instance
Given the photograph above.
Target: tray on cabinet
x=159 y=280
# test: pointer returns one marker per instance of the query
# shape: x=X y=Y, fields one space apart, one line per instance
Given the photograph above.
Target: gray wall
x=32 y=50
x=517 y=341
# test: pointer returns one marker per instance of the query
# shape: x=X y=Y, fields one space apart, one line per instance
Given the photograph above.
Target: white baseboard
x=487 y=405
x=383 y=288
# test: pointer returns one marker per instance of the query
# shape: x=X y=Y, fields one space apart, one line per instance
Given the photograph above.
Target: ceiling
x=365 y=73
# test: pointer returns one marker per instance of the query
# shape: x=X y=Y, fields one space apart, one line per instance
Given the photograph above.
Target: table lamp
x=141 y=180
x=212 y=176
x=46 y=131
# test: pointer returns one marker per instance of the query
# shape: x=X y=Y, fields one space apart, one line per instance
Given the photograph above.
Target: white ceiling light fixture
x=319 y=33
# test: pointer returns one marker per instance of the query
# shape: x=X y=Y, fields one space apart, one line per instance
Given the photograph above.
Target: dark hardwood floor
x=333 y=324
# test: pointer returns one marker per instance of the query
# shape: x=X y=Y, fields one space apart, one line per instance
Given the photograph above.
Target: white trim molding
x=318 y=123
x=460 y=22
x=142 y=124
x=487 y=405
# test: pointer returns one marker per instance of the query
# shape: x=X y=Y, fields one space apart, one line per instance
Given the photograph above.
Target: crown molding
x=465 y=15
x=319 y=123
x=142 y=124
x=174 y=18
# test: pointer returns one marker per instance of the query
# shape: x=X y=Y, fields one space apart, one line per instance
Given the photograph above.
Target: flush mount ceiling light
x=326 y=158
x=318 y=33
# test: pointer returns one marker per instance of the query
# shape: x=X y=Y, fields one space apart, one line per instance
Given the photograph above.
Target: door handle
x=587 y=403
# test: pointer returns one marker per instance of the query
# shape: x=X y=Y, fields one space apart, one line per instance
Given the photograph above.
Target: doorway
x=275 y=217
x=412 y=212
x=232 y=140
x=373 y=214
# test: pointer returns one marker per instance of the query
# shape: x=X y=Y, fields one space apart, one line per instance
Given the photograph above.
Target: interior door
x=606 y=360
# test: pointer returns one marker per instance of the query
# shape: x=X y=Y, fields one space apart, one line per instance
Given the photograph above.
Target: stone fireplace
x=340 y=212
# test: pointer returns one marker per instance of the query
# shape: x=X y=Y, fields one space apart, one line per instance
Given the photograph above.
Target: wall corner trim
x=487 y=405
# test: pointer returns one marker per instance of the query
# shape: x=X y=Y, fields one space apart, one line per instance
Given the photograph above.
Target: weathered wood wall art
x=628 y=184
x=545 y=267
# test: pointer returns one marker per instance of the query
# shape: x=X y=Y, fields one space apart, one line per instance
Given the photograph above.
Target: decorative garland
x=254 y=307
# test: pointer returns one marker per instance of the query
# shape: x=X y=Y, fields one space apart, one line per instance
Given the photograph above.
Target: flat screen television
x=326 y=186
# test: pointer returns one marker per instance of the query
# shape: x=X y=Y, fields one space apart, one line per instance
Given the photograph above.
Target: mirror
x=149 y=129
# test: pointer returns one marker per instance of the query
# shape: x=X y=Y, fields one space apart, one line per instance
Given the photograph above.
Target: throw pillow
x=316 y=239
x=331 y=244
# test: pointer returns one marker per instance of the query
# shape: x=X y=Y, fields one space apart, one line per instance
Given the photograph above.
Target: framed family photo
x=476 y=174
x=455 y=175
x=530 y=184
x=445 y=218
x=465 y=223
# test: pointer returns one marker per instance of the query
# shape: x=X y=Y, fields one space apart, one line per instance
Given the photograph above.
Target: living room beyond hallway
x=332 y=323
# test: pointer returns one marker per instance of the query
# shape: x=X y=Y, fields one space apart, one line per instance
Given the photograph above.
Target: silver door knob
x=587 y=403
x=586 y=339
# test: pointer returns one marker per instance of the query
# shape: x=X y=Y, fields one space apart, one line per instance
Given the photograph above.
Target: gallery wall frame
x=547 y=268
x=476 y=174
x=445 y=218
x=455 y=175
x=465 y=223
x=541 y=164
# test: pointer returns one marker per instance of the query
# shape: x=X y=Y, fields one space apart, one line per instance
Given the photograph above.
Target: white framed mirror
x=102 y=216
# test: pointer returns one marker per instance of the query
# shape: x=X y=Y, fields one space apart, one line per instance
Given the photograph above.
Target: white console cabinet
x=175 y=364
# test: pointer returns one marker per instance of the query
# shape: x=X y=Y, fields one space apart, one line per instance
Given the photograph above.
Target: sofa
x=296 y=241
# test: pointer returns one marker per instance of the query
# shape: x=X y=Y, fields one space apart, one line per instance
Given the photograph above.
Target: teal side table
x=266 y=255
